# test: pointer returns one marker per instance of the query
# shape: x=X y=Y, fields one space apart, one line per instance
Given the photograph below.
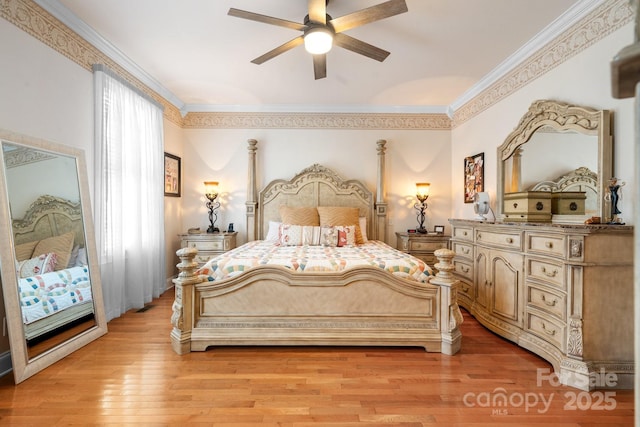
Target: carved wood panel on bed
x=273 y=305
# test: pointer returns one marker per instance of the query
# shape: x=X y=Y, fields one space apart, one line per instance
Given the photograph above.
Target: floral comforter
x=315 y=259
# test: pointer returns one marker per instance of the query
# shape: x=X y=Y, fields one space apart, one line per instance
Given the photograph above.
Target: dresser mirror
x=50 y=275
x=558 y=147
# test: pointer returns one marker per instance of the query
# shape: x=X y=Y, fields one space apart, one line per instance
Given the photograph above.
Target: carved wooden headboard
x=315 y=186
x=580 y=179
x=49 y=216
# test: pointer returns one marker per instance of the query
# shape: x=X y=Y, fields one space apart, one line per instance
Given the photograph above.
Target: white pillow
x=273 y=234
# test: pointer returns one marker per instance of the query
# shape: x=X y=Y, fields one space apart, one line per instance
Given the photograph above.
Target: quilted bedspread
x=49 y=293
x=315 y=259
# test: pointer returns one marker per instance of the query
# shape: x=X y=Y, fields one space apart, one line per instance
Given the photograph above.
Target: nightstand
x=208 y=244
x=422 y=245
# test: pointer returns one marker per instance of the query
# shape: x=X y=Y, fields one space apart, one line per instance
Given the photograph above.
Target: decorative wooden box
x=568 y=202
x=528 y=206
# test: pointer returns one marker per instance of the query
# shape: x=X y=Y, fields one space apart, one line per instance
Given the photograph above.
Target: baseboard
x=5 y=363
x=169 y=283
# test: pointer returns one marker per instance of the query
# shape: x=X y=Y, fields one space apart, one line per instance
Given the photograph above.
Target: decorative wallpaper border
x=316 y=121
x=607 y=18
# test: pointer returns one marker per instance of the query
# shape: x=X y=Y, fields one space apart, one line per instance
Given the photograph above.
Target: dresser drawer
x=466 y=289
x=549 y=330
x=463 y=268
x=546 y=272
x=417 y=245
x=500 y=239
x=202 y=258
x=545 y=244
x=217 y=245
x=553 y=303
x=463 y=233
x=464 y=250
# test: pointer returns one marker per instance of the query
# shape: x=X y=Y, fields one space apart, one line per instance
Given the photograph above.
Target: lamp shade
x=422 y=190
x=211 y=187
x=318 y=40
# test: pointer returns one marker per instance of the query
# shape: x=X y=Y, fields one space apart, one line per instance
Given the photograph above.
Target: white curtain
x=129 y=194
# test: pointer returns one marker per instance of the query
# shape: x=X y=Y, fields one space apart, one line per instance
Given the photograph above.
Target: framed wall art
x=473 y=176
x=172 y=182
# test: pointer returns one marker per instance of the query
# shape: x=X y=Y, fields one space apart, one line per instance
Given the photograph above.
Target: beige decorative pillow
x=25 y=250
x=299 y=215
x=340 y=215
x=61 y=245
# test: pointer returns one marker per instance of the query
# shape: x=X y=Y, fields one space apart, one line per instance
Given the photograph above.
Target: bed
x=280 y=303
x=53 y=278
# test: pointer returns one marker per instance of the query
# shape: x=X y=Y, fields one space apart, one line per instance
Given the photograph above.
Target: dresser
x=422 y=246
x=564 y=292
x=208 y=244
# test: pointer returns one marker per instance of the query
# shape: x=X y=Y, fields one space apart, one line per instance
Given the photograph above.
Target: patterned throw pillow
x=41 y=264
x=61 y=245
x=346 y=235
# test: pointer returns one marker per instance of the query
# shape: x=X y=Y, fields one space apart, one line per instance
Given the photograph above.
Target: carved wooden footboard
x=269 y=305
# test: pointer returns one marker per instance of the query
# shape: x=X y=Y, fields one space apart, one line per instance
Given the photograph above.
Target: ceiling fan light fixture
x=318 y=40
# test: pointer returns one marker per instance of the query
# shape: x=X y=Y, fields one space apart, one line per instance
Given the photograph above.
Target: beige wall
x=411 y=156
x=583 y=80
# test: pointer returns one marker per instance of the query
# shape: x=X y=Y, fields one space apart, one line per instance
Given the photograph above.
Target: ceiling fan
x=321 y=31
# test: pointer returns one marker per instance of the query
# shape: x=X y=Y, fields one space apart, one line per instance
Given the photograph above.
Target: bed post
x=252 y=225
x=182 y=316
x=450 y=315
x=381 y=204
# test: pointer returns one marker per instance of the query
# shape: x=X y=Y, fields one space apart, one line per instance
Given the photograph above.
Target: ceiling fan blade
x=358 y=46
x=320 y=66
x=318 y=11
x=280 y=49
x=266 y=19
x=370 y=14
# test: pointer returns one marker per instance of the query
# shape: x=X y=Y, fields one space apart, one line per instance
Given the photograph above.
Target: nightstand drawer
x=206 y=246
x=416 y=245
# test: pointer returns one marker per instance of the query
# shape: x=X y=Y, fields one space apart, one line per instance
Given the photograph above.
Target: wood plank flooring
x=132 y=377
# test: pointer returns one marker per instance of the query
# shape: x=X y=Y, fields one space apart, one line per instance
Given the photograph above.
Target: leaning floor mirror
x=50 y=274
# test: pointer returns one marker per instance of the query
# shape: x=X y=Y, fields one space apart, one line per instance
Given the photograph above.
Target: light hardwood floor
x=132 y=377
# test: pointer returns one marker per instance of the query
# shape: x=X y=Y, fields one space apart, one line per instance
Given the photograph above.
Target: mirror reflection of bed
x=50 y=275
x=53 y=276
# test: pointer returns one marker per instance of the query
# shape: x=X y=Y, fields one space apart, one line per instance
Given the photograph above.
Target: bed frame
x=50 y=216
x=270 y=305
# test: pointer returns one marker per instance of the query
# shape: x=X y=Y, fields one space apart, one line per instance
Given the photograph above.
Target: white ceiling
x=198 y=57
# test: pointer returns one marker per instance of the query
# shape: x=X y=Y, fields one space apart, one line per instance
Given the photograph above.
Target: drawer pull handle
x=479 y=235
x=465 y=250
x=465 y=290
x=549 y=274
x=548 y=245
x=464 y=233
x=551 y=332
x=509 y=240
x=464 y=269
x=549 y=303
